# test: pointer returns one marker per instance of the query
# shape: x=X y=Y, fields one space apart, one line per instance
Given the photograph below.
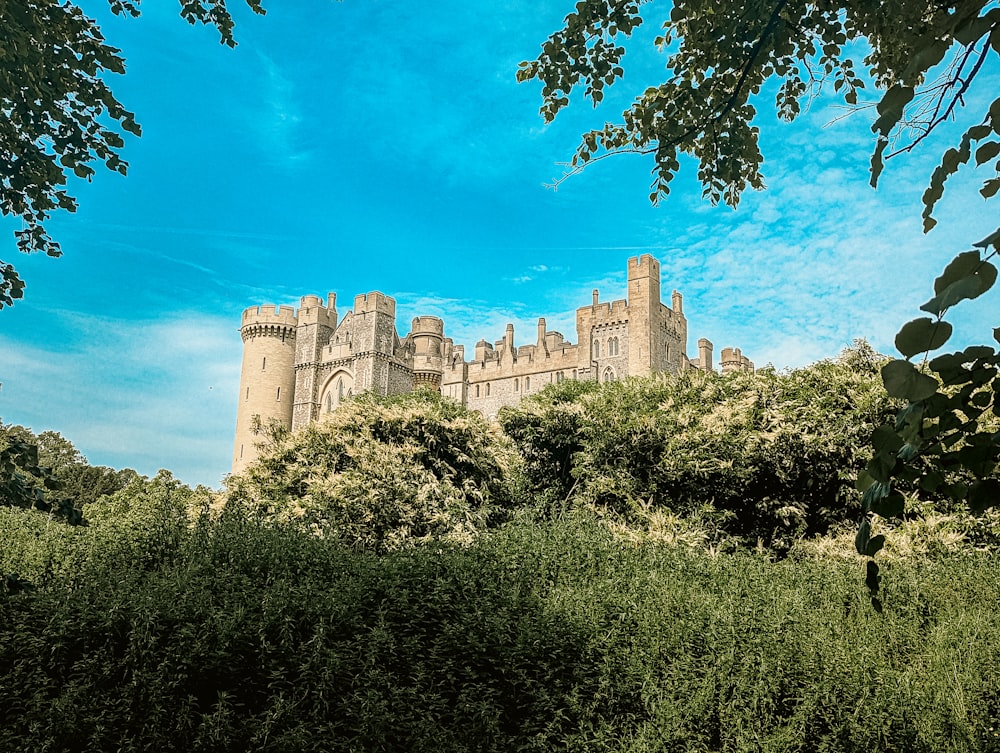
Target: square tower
x=645 y=315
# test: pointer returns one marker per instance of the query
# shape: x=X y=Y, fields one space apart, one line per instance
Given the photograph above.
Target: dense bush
x=538 y=637
x=770 y=457
x=132 y=529
x=384 y=473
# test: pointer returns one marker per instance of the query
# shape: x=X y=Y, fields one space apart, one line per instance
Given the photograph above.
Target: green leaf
x=890 y=507
x=896 y=98
x=863 y=537
x=880 y=468
x=969 y=287
x=958 y=268
x=902 y=380
x=984 y=494
x=922 y=335
x=931 y=481
x=987 y=151
x=885 y=438
x=877 y=164
x=872 y=580
x=864 y=481
x=993 y=239
x=875 y=545
x=874 y=493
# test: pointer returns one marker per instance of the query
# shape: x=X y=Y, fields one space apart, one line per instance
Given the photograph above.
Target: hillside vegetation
x=658 y=564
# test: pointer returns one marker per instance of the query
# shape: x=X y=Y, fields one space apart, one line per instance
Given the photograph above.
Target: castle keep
x=299 y=365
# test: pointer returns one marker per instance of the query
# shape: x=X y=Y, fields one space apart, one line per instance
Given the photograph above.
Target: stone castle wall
x=299 y=365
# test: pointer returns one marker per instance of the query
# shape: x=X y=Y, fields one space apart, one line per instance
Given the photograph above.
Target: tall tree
x=924 y=57
x=59 y=115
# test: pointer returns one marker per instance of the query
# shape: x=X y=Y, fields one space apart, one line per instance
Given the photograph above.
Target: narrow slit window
x=278 y=396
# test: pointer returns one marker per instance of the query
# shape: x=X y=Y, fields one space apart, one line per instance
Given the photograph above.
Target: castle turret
x=427 y=334
x=645 y=353
x=705 y=351
x=541 y=347
x=374 y=341
x=316 y=323
x=267 y=378
x=734 y=360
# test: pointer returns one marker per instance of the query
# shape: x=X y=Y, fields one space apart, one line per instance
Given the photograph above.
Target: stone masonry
x=299 y=365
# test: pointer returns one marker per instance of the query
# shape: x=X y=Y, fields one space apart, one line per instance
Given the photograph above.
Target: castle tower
x=316 y=323
x=645 y=353
x=427 y=333
x=374 y=341
x=705 y=351
x=267 y=378
x=734 y=360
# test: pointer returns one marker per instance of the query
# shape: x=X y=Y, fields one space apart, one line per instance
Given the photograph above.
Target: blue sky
x=376 y=145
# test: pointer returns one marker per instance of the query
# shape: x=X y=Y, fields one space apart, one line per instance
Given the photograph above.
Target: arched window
x=609 y=374
x=337 y=390
x=487 y=389
x=517 y=385
x=477 y=390
x=597 y=348
x=527 y=383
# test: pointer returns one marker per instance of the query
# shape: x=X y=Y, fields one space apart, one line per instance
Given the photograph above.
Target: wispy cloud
x=143 y=394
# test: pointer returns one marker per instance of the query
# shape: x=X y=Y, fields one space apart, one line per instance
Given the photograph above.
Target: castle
x=299 y=365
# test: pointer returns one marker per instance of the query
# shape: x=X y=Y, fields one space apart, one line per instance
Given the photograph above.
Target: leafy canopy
x=59 y=116
x=924 y=55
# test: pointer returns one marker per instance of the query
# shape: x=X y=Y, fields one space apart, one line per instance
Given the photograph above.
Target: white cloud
x=133 y=394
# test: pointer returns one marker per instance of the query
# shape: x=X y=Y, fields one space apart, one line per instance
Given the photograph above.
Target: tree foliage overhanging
x=925 y=58
x=59 y=116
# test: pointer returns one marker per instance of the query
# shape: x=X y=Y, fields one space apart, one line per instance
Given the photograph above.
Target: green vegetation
x=233 y=636
x=763 y=458
x=385 y=473
x=925 y=59
x=633 y=567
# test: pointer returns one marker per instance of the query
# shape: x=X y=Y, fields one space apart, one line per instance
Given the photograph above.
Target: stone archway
x=337 y=389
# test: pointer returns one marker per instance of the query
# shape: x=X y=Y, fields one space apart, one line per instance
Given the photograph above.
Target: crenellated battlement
x=269 y=314
x=268 y=321
x=427 y=325
x=313 y=310
x=300 y=364
x=375 y=302
x=644 y=264
x=732 y=359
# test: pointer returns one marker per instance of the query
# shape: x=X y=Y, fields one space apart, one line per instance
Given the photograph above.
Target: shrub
x=384 y=473
x=773 y=454
x=540 y=637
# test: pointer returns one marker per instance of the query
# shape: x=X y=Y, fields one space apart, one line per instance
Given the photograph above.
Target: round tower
x=428 y=351
x=267 y=378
